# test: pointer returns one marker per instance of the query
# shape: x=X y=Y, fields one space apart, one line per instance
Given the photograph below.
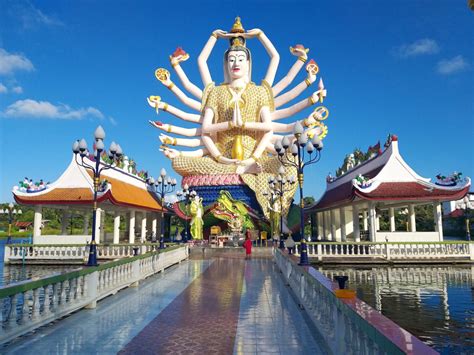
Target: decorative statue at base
x=237 y=119
x=196 y=211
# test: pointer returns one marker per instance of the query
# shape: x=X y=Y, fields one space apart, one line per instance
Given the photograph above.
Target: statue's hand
x=252 y=33
x=165 y=139
x=169 y=152
x=220 y=33
x=299 y=51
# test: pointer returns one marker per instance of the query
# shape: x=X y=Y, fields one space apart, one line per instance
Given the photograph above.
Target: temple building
x=124 y=194
x=384 y=185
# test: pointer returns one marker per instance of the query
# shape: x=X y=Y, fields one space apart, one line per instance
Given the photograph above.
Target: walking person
x=248 y=247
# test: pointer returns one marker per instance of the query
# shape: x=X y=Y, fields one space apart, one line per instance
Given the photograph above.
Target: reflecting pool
x=435 y=303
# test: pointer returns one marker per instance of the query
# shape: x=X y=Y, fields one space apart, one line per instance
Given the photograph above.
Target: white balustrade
x=341 y=322
x=28 y=305
x=391 y=251
x=75 y=253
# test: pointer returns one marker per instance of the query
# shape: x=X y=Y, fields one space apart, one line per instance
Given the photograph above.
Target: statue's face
x=238 y=64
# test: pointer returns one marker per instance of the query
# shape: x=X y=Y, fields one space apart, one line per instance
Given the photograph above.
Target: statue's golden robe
x=253 y=99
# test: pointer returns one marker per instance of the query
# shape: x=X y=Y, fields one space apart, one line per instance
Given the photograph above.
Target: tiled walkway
x=224 y=306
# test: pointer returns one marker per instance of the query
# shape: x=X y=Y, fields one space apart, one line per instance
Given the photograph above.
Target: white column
x=117 y=227
x=98 y=218
x=131 y=228
x=411 y=211
x=154 y=222
x=37 y=222
x=366 y=225
x=377 y=221
x=143 y=230
x=325 y=229
x=391 y=212
x=438 y=219
x=342 y=220
x=348 y=219
x=85 y=229
x=329 y=235
x=333 y=216
x=319 y=216
x=64 y=221
x=355 y=222
x=372 y=217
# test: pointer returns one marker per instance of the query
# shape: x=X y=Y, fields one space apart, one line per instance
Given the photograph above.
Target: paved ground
x=219 y=306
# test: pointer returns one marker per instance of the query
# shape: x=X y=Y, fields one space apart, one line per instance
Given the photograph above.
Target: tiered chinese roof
x=387 y=177
x=75 y=187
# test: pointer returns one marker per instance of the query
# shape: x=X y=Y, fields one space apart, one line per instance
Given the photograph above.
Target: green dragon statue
x=229 y=209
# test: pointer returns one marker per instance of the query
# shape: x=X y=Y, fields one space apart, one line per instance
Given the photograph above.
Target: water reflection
x=435 y=303
x=14 y=273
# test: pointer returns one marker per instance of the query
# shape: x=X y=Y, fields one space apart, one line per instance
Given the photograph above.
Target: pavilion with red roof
x=354 y=202
x=124 y=194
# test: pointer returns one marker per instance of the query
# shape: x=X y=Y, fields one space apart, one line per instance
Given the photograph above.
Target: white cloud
x=419 y=47
x=453 y=65
x=112 y=120
x=43 y=109
x=3 y=89
x=30 y=17
x=10 y=63
x=18 y=90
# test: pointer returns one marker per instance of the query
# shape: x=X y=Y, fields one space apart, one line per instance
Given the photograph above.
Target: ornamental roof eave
x=75 y=187
x=386 y=177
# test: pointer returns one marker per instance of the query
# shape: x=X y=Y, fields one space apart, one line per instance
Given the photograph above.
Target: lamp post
x=11 y=212
x=162 y=185
x=278 y=187
x=188 y=196
x=80 y=148
x=466 y=205
x=292 y=152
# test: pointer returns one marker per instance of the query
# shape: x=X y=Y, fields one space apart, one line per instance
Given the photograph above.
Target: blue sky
x=403 y=67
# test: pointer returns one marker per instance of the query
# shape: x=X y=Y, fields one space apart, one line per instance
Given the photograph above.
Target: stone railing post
x=92 y=285
x=135 y=273
x=471 y=250
x=319 y=252
x=387 y=251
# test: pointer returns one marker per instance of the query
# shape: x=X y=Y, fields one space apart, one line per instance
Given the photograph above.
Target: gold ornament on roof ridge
x=237 y=26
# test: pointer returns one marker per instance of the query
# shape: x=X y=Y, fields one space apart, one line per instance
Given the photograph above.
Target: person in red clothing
x=248 y=247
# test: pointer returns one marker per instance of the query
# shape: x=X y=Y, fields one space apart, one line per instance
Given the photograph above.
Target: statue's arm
x=293 y=110
x=184 y=142
x=188 y=85
x=173 y=153
x=295 y=92
x=188 y=132
x=204 y=56
x=209 y=128
x=302 y=54
x=195 y=105
x=173 y=110
x=272 y=52
x=208 y=141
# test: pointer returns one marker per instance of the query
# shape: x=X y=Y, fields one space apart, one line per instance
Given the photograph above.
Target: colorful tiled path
x=224 y=306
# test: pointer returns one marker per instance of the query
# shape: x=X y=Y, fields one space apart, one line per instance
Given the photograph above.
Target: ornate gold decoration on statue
x=308 y=82
x=178 y=56
x=162 y=74
x=311 y=100
x=312 y=68
x=320 y=113
x=170 y=86
x=156 y=100
x=237 y=27
x=237 y=148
